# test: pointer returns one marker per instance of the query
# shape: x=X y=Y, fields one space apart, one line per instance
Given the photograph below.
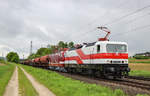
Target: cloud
x=49 y=21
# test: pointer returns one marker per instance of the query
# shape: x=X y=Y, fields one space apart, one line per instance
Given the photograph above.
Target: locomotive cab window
x=98 y=48
x=119 y=48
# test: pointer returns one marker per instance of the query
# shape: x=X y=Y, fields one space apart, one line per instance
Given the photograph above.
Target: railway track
x=144 y=85
x=139 y=78
x=140 y=84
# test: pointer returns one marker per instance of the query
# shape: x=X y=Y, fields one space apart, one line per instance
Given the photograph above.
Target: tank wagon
x=103 y=58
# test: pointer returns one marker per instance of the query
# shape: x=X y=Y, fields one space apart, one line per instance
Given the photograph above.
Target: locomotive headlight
x=111 y=61
x=126 y=61
x=108 y=61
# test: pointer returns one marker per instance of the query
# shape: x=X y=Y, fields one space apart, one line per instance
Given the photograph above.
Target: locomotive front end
x=116 y=64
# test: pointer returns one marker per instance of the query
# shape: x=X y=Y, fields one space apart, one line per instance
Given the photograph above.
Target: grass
x=6 y=72
x=63 y=86
x=140 y=73
x=133 y=60
x=25 y=86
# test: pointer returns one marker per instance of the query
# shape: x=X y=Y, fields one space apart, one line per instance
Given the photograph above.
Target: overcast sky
x=49 y=21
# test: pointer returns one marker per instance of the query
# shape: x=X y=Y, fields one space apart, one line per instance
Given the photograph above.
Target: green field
x=140 y=73
x=6 y=71
x=139 y=67
x=25 y=87
x=133 y=60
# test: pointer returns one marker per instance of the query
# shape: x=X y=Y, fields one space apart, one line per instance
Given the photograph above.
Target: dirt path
x=42 y=90
x=12 y=87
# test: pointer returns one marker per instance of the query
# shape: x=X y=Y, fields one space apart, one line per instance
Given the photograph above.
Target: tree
x=66 y=45
x=71 y=45
x=32 y=56
x=12 y=57
x=61 y=44
x=51 y=49
x=43 y=51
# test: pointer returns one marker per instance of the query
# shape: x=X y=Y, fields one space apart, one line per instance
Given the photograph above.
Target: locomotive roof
x=110 y=42
x=98 y=42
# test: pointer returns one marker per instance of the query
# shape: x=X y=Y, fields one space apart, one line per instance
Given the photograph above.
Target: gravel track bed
x=139 y=82
x=139 y=78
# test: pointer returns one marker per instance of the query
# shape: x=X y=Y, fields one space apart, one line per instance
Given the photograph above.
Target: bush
x=12 y=57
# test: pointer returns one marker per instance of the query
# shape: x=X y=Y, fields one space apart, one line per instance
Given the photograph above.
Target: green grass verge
x=63 y=86
x=6 y=72
x=25 y=86
x=140 y=73
x=133 y=60
x=146 y=62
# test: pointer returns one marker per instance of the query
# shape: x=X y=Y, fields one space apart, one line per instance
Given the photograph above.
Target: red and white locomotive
x=102 y=58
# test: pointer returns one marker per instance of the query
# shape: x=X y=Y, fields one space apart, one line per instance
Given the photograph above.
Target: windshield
x=116 y=48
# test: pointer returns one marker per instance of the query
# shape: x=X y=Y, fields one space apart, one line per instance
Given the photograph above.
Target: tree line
x=51 y=49
x=14 y=57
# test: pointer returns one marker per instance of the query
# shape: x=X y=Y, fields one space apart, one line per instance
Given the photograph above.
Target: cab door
x=96 y=50
x=92 y=52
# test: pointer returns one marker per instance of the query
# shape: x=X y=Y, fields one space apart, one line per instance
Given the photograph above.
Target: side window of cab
x=98 y=48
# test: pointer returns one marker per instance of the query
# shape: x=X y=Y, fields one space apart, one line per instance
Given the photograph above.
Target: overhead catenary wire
x=137 y=18
x=97 y=18
x=127 y=15
x=131 y=31
x=119 y=19
x=94 y=20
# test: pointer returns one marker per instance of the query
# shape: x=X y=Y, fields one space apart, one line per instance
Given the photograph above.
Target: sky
x=49 y=21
